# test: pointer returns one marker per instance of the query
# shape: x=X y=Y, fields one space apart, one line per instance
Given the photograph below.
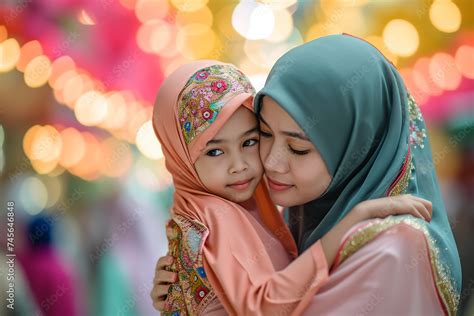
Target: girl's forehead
x=241 y=121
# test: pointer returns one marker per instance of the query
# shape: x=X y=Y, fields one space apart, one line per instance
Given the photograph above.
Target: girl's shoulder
x=191 y=233
x=193 y=292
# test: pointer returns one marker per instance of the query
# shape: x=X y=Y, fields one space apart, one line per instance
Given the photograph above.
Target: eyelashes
x=250 y=142
x=292 y=150
x=247 y=143
x=265 y=134
x=298 y=152
x=214 y=152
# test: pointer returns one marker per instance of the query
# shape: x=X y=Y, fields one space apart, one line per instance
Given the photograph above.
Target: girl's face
x=230 y=166
x=294 y=168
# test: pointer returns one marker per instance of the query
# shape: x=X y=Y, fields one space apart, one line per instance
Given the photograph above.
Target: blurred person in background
x=51 y=279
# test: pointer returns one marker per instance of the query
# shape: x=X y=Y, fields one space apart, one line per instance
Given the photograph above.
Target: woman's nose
x=276 y=161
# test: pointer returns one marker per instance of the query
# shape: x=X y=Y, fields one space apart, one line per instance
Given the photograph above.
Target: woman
x=338 y=127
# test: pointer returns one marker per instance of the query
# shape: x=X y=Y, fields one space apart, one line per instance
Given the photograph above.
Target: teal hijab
x=353 y=105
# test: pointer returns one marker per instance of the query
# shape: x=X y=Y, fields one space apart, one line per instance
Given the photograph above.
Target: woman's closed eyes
x=294 y=151
x=298 y=152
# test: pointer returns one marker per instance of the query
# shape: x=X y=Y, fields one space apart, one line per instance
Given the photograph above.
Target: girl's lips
x=240 y=185
x=278 y=186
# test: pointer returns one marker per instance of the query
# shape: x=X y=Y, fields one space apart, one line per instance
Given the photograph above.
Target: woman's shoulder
x=400 y=250
x=399 y=236
x=384 y=259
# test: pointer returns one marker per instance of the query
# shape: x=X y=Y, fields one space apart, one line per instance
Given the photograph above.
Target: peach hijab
x=232 y=242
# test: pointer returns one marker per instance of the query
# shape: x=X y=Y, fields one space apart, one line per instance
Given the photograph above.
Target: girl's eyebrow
x=298 y=135
x=219 y=141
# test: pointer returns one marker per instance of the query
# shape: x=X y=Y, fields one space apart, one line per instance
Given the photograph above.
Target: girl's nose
x=238 y=165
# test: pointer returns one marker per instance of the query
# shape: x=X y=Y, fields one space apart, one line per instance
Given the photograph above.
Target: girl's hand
x=406 y=204
x=382 y=207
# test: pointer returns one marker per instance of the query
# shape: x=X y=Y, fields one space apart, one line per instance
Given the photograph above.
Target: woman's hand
x=377 y=208
x=163 y=278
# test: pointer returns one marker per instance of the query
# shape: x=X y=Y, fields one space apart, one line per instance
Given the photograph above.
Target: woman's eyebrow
x=298 y=135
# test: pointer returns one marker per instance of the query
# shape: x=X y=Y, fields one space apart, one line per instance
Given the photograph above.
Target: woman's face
x=294 y=168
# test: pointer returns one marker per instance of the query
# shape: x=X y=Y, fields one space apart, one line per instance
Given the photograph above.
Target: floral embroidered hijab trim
x=416 y=139
x=417 y=134
x=205 y=94
x=191 y=294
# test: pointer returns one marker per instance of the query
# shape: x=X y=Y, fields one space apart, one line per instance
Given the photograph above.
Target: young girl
x=232 y=246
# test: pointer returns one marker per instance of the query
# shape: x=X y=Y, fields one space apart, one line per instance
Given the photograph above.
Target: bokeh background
x=79 y=159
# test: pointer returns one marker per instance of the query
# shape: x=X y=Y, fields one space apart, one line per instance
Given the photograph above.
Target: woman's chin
x=282 y=199
x=292 y=197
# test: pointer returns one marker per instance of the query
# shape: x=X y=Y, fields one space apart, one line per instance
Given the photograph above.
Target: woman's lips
x=278 y=186
x=240 y=185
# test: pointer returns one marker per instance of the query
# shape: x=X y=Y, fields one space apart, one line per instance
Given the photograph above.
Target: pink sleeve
x=391 y=275
x=287 y=291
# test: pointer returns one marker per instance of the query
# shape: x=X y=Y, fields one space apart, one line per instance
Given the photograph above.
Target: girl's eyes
x=218 y=152
x=250 y=142
x=298 y=152
x=214 y=152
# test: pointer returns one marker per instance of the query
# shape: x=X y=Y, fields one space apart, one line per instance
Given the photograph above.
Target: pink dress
x=281 y=286
x=280 y=258
x=390 y=275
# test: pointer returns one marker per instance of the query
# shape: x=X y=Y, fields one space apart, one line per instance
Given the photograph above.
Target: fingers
x=158 y=296
x=417 y=207
x=399 y=205
x=423 y=210
x=159 y=291
x=426 y=203
x=163 y=262
x=424 y=207
x=159 y=306
x=415 y=212
x=164 y=277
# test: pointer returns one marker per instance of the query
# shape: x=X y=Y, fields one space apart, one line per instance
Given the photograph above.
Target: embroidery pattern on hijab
x=417 y=134
x=204 y=95
x=193 y=289
x=416 y=139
